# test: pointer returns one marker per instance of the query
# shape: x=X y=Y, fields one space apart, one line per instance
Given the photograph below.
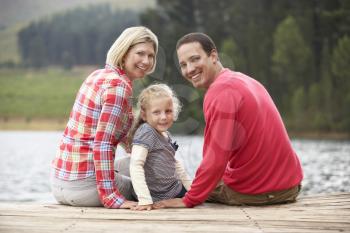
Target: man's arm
x=221 y=105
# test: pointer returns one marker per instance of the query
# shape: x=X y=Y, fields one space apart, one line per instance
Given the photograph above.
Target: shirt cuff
x=113 y=202
x=187 y=202
x=145 y=202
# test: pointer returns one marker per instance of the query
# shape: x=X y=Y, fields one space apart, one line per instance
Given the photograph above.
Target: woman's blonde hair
x=130 y=37
x=143 y=100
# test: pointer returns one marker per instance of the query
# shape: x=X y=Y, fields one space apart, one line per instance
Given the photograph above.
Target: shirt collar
x=121 y=73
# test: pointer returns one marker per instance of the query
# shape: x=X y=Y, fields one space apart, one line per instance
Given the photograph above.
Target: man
x=247 y=155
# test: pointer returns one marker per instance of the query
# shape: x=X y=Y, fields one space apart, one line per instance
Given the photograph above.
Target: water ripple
x=26 y=157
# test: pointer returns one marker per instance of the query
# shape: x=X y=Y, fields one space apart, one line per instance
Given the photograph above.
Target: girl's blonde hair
x=146 y=95
x=130 y=37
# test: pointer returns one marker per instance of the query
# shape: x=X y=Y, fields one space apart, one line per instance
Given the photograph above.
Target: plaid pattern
x=100 y=118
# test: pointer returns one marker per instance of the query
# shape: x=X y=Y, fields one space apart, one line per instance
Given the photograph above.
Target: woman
x=83 y=170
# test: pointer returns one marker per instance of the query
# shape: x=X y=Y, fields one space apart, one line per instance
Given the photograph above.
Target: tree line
x=300 y=50
x=77 y=37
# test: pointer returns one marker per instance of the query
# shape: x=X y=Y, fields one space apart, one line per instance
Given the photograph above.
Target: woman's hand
x=143 y=207
x=128 y=204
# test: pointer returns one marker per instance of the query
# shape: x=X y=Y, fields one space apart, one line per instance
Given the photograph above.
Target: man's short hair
x=204 y=40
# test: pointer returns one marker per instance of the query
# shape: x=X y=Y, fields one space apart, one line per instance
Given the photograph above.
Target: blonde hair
x=130 y=37
x=143 y=100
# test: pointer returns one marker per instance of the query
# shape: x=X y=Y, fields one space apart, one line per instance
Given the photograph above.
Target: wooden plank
x=321 y=213
x=99 y=225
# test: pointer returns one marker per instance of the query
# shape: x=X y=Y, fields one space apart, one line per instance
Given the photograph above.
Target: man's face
x=196 y=66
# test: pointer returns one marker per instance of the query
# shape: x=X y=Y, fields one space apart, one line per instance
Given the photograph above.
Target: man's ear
x=214 y=56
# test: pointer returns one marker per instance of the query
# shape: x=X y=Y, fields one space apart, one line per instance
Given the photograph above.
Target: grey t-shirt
x=160 y=171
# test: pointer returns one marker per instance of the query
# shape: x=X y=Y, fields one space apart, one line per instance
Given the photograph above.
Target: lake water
x=25 y=164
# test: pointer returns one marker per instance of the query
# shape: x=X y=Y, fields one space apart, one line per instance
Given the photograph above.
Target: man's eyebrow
x=195 y=55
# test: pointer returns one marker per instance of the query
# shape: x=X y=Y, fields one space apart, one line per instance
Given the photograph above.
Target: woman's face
x=139 y=60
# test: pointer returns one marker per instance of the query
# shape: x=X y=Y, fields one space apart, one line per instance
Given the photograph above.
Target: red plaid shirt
x=100 y=118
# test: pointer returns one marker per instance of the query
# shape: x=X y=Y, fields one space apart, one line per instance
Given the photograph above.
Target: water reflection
x=26 y=156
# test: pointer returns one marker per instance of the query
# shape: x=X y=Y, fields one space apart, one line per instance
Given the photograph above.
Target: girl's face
x=159 y=113
x=139 y=60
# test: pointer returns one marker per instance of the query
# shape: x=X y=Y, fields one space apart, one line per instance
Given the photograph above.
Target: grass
x=30 y=95
x=40 y=99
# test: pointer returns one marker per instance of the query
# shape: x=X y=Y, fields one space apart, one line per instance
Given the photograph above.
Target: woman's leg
x=125 y=186
x=76 y=193
x=122 y=166
x=84 y=192
x=123 y=180
x=57 y=191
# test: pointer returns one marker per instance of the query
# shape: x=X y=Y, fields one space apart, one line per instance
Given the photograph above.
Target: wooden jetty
x=321 y=213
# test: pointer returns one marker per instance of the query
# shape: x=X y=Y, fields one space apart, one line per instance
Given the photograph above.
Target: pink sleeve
x=220 y=107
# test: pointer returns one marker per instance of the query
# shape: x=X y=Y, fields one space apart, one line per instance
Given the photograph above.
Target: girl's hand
x=128 y=204
x=143 y=207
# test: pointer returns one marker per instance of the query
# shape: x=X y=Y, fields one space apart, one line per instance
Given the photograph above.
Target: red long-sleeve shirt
x=245 y=141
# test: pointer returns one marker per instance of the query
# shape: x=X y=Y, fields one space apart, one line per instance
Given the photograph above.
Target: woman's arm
x=110 y=129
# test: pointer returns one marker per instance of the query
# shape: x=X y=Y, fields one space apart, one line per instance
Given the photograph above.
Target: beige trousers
x=225 y=195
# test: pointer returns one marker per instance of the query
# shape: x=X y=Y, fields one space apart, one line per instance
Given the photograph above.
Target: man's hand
x=170 y=203
x=128 y=205
x=143 y=207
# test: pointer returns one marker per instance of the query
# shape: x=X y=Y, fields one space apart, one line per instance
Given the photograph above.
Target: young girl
x=155 y=173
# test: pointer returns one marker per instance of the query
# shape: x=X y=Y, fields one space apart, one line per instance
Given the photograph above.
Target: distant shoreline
x=319 y=135
x=37 y=124
x=47 y=124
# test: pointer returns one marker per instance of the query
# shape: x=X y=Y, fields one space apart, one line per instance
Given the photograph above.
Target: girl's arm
x=137 y=174
x=184 y=177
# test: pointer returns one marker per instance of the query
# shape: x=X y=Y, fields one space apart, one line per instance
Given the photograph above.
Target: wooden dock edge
x=318 y=213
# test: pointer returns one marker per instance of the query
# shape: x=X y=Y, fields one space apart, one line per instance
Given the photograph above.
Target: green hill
x=16 y=14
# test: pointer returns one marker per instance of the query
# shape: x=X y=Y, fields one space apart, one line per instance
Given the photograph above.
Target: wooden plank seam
x=252 y=220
